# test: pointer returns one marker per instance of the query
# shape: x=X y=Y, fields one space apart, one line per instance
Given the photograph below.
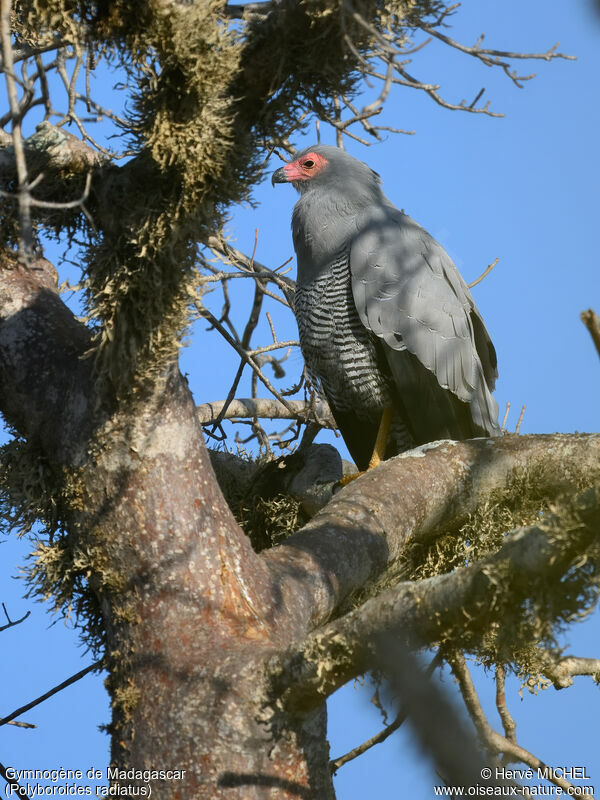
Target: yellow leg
x=382 y=437
x=380 y=446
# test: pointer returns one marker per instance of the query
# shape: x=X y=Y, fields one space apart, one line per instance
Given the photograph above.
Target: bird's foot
x=378 y=450
x=374 y=462
x=348 y=479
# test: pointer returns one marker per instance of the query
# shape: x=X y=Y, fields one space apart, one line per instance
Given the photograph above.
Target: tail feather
x=432 y=412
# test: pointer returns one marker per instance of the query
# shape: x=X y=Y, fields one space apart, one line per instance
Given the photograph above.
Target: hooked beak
x=279 y=176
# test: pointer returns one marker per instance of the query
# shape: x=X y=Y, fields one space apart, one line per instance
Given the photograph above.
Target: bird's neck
x=323 y=227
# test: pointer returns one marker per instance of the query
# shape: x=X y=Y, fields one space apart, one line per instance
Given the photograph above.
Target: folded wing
x=408 y=292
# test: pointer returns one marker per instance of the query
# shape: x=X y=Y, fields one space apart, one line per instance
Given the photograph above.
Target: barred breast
x=340 y=353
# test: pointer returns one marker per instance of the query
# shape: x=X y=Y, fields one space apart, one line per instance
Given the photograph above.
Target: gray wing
x=409 y=294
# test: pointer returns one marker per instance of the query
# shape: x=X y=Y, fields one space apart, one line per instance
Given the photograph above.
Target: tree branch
x=24 y=197
x=267 y=408
x=239 y=11
x=58 y=148
x=592 y=322
x=484 y=274
x=73 y=679
x=422 y=613
x=233 y=256
x=12 y=622
x=508 y=722
x=354 y=539
x=492 y=58
x=561 y=671
x=495 y=742
x=46 y=388
x=16 y=788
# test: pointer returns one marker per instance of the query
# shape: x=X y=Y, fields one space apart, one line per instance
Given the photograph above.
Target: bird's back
x=408 y=293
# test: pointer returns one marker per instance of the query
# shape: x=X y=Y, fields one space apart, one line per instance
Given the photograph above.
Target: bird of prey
x=386 y=322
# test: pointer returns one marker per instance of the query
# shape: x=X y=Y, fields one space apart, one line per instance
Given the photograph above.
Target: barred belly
x=340 y=353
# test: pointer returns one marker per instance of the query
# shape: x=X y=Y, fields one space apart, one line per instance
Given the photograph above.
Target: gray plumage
x=384 y=317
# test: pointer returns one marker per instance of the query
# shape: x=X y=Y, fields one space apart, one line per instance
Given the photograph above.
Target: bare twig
x=494 y=741
x=431 y=90
x=27 y=51
x=270 y=321
x=15 y=788
x=508 y=722
x=484 y=274
x=204 y=312
x=19 y=724
x=223 y=249
x=591 y=320
x=24 y=197
x=11 y=622
x=492 y=58
x=73 y=679
x=275 y=346
x=518 y=428
x=503 y=428
x=246 y=336
x=336 y=763
x=230 y=395
x=362 y=748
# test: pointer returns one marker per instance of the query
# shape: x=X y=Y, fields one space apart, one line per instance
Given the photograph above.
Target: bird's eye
x=308 y=164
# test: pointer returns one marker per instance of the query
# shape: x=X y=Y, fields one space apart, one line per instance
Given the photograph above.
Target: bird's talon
x=348 y=479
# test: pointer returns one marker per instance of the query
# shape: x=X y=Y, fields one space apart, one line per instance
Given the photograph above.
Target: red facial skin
x=305 y=167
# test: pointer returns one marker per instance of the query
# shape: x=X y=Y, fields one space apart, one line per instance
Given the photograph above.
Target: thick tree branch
x=46 y=387
x=244 y=9
x=470 y=598
x=435 y=487
x=59 y=148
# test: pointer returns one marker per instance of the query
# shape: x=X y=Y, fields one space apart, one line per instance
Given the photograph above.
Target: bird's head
x=324 y=166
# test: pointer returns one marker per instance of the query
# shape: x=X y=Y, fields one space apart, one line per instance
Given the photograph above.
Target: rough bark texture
x=440 y=608
x=436 y=486
x=191 y=612
x=193 y=617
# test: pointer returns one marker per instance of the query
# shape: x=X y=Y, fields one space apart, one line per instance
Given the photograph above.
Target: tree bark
x=193 y=618
x=446 y=607
x=190 y=611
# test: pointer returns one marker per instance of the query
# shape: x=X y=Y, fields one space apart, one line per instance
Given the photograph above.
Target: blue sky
x=523 y=189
